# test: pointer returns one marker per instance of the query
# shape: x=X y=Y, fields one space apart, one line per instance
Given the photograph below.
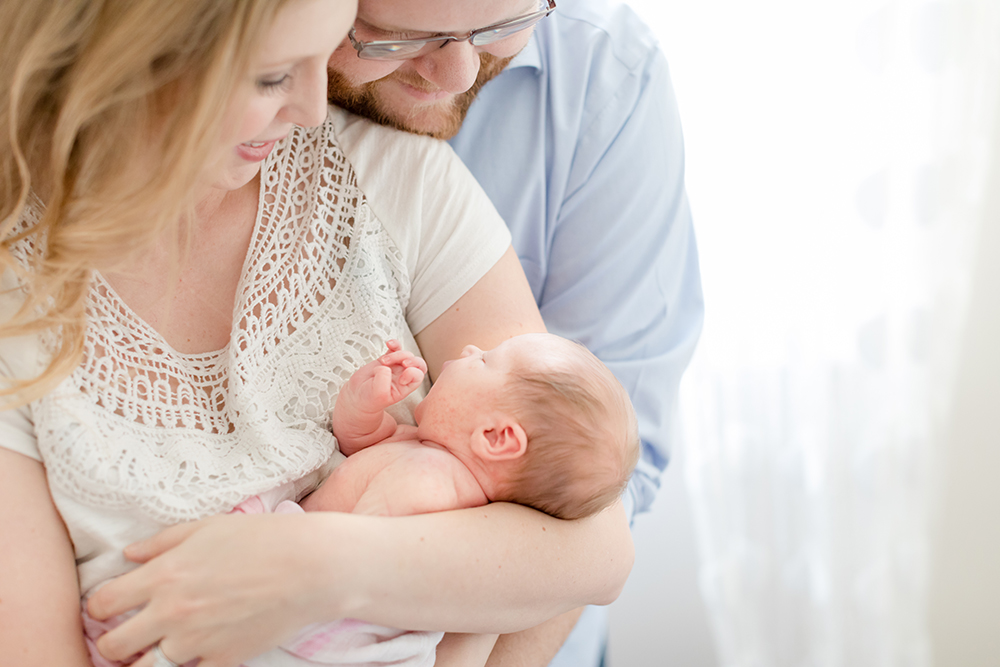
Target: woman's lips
x=255 y=151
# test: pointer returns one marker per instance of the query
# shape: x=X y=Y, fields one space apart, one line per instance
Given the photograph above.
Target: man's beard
x=445 y=121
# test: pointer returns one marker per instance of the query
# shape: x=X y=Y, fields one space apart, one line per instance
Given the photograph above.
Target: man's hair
x=111 y=110
x=583 y=439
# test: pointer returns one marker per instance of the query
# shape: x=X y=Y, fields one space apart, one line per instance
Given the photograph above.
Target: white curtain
x=836 y=156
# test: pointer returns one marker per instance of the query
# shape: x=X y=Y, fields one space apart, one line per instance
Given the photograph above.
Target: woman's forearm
x=496 y=569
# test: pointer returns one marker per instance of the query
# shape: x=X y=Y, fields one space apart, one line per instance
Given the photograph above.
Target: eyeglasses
x=404 y=49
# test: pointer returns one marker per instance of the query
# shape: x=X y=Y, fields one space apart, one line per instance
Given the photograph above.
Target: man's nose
x=452 y=68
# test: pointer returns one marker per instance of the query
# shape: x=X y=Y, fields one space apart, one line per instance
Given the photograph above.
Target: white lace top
x=363 y=234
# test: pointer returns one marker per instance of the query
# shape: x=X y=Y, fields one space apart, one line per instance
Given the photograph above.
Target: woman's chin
x=236 y=177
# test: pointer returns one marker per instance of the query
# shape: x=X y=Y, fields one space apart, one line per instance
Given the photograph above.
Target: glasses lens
x=412 y=48
x=398 y=50
x=505 y=30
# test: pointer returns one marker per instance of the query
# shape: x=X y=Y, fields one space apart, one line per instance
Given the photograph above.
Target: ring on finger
x=161 y=660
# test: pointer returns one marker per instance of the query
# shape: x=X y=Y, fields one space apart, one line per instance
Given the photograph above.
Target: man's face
x=429 y=94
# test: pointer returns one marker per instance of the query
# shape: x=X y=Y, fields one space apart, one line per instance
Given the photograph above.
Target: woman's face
x=286 y=85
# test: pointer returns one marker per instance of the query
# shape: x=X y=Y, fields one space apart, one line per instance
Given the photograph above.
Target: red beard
x=440 y=121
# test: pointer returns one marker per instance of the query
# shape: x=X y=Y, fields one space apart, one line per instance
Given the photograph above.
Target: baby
x=538 y=420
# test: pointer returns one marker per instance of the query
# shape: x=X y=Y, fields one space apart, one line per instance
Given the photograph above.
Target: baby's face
x=468 y=384
x=475 y=380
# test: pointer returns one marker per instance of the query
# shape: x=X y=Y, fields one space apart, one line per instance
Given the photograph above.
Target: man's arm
x=464 y=650
x=534 y=647
x=623 y=273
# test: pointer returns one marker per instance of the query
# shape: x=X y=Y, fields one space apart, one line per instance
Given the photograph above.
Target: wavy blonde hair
x=110 y=112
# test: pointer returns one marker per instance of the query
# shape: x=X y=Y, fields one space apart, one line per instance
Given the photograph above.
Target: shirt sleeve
x=623 y=277
x=17 y=432
x=18 y=360
x=448 y=230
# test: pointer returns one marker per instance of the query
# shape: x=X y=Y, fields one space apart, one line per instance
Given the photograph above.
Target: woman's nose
x=309 y=106
x=452 y=67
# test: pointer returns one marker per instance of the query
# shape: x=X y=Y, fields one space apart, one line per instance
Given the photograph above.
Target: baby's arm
x=359 y=416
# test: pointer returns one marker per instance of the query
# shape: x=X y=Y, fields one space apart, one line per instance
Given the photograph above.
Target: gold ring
x=161 y=660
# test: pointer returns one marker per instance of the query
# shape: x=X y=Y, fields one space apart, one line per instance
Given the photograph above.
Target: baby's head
x=551 y=427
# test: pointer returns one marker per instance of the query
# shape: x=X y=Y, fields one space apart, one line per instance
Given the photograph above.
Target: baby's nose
x=469 y=349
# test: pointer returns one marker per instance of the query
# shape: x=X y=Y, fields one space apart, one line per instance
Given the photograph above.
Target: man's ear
x=500 y=441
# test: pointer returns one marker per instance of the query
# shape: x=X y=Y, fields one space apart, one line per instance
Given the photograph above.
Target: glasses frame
x=412 y=48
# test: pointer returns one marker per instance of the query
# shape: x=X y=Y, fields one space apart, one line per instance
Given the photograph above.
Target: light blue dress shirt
x=578 y=143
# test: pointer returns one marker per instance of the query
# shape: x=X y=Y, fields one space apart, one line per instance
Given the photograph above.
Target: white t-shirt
x=363 y=234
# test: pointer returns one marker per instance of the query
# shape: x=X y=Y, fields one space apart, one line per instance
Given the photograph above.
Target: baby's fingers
x=398 y=358
x=417 y=362
x=411 y=376
x=381 y=381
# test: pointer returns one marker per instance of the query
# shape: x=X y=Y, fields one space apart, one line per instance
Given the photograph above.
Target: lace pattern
x=180 y=436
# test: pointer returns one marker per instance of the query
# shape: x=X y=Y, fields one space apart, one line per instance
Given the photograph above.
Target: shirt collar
x=530 y=55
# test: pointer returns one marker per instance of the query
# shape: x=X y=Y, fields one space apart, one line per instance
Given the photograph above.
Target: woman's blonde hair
x=110 y=112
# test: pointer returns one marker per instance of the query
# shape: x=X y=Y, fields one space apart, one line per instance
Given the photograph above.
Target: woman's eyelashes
x=274 y=86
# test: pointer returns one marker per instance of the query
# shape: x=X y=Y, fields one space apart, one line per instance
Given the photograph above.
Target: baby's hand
x=389 y=379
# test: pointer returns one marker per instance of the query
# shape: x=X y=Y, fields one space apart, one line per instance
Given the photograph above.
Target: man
x=576 y=138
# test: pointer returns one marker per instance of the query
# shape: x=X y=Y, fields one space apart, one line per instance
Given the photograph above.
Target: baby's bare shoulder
x=430 y=476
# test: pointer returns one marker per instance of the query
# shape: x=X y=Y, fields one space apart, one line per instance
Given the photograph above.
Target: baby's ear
x=501 y=441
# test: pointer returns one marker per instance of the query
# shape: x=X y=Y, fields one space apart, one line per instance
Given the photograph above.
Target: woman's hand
x=224 y=589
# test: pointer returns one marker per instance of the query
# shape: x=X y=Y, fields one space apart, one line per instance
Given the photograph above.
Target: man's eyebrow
x=395 y=29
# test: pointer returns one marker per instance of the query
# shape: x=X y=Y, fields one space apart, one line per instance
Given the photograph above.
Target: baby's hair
x=583 y=439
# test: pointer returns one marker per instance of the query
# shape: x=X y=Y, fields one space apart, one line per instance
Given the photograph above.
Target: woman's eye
x=274 y=85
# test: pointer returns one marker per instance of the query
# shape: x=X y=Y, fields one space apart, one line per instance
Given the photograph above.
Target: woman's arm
x=499 y=568
x=39 y=594
x=230 y=587
x=498 y=307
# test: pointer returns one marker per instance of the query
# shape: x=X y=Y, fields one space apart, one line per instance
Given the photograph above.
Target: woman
x=190 y=274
